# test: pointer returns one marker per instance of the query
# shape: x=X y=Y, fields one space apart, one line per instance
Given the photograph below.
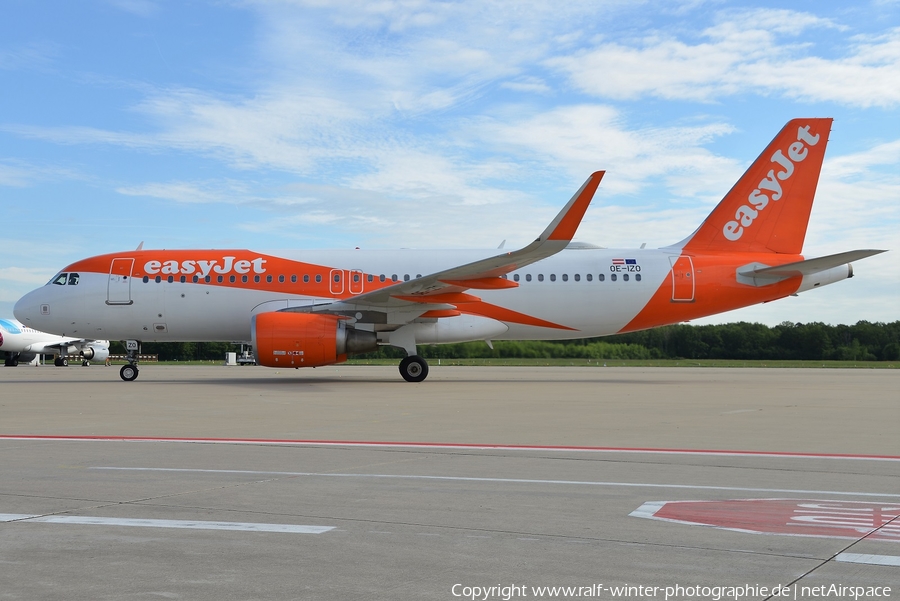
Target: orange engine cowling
x=305 y=340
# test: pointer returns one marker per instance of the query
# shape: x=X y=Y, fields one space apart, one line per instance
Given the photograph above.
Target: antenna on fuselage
x=140 y=246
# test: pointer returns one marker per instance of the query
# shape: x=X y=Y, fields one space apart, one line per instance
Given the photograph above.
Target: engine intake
x=94 y=352
x=282 y=339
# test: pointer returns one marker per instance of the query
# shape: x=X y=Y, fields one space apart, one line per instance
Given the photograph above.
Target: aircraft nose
x=29 y=308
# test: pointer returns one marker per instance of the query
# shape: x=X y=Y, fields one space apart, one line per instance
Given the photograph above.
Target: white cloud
x=14 y=176
x=190 y=192
x=33 y=55
x=24 y=275
x=528 y=85
x=741 y=54
x=584 y=138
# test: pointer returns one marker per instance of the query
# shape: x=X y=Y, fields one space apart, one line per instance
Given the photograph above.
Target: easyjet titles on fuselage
x=745 y=215
x=204 y=268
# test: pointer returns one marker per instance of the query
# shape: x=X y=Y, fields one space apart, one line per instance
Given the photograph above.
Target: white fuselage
x=16 y=337
x=579 y=292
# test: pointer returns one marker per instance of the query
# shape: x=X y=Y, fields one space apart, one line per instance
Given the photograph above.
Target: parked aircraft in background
x=22 y=344
x=312 y=308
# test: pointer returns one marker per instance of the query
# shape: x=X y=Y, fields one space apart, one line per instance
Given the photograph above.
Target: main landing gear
x=129 y=372
x=414 y=369
x=61 y=361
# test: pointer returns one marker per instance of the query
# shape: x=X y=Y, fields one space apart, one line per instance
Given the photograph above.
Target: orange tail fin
x=768 y=209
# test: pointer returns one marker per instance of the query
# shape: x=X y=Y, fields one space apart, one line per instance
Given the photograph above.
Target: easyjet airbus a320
x=312 y=308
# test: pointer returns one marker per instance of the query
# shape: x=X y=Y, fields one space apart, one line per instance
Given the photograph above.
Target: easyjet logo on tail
x=769 y=188
x=203 y=268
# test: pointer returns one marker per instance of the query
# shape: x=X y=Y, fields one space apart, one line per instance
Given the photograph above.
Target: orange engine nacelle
x=305 y=340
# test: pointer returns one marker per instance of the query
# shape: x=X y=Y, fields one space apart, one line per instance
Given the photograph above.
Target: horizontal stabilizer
x=808 y=267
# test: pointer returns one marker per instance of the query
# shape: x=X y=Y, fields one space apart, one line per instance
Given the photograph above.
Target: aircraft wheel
x=61 y=362
x=128 y=373
x=11 y=363
x=414 y=369
x=85 y=364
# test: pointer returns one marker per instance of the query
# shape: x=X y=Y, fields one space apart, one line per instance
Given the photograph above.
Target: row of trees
x=864 y=341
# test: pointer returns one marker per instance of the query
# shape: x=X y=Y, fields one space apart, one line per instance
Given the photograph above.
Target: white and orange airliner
x=313 y=308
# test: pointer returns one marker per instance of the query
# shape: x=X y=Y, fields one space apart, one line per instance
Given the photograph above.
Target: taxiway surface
x=348 y=483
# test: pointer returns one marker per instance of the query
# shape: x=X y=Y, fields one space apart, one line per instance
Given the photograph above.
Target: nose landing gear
x=129 y=372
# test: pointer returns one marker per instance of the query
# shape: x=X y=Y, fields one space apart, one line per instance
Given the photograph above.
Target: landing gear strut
x=129 y=372
x=414 y=369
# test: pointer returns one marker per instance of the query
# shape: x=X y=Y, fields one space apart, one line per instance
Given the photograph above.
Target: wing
x=444 y=290
x=59 y=346
x=807 y=267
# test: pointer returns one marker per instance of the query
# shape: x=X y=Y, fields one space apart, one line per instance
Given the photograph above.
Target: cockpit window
x=73 y=279
x=61 y=279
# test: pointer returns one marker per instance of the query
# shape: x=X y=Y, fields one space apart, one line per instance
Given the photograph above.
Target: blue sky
x=312 y=124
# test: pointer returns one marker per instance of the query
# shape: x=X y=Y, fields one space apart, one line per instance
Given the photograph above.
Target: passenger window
x=601 y=277
x=170 y=279
x=219 y=278
x=612 y=277
x=516 y=277
x=318 y=278
x=244 y=279
x=370 y=278
x=195 y=279
x=293 y=279
x=268 y=279
x=159 y=279
x=381 y=278
x=527 y=277
x=207 y=279
x=146 y=279
x=231 y=279
x=540 y=277
x=637 y=277
x=406 y=277
x=394 y=277
x=565 y=277
x=552 y=277
x=183 y=279
x=577 y=277
x=418 y=275
x=73 y=279
x=625 y=277
x=306 y=279
x=281 y=279
x=589 y=277
x=356 y=277
x=337 y=277
x=61 y=279
x=256 y=279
